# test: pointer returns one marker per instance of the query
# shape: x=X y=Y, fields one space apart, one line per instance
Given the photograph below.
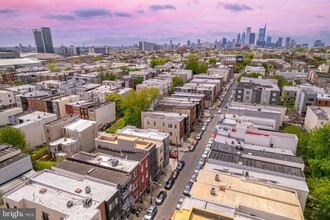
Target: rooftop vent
x=42 y=190
x=217 y=178
x=213 y=191
x=90 y=171
x=222 y=187
x=78 y=190
x=88 y=201
x=114 y=162
x=69 y=204
x=87 y=189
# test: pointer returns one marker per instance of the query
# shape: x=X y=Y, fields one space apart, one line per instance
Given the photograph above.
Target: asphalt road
x=191 y=159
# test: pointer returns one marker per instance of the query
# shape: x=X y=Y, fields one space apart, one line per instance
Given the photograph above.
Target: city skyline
x=114 y=24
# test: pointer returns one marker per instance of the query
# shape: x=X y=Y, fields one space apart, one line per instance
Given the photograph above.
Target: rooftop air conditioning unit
x=217 y=178
x=88 y=201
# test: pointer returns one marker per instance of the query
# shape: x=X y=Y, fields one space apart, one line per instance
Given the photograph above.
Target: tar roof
x=238 y=159
x=94 y=171
x=232 y=150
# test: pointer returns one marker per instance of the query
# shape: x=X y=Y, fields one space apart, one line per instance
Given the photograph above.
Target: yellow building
x=237 y=191
x=199 y=214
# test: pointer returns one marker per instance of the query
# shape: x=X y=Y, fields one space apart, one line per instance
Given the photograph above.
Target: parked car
x=210 y=141
x=192 y=148
x=175 y=174
x=161 y=197
x=180 y=165
x=214 y=134
x=151 y=212
x=204 y=155
x=198 y=168
x=222 y=117
x=173 y=154
x=220 y=111
x=208 y=146
x=195 y=142
x=199 y=136
x=193 y=178
x=204 y=128
x=180 y=202
x=201 y=161
x=187 y=189
x=208 y=120
x=169 y=183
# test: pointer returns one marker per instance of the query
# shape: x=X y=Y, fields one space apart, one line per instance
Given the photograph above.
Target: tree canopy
x=13 y=136
x=253 y=75
x=176 y=81
x=281 y=81
x=158 y=61
x=136 y=102
x=138 y=80
x=193 y=63
x=118 y=99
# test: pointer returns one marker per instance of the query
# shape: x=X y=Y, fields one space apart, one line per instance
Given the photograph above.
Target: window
x=287 y=93
x=45 y=216
x=142 y=179
x=47 y=131
x=170 y=133
x=239 y=96
x=146 y=164
x=7 y=205
x=248 y=92
x=239 y=91
x=134 y=174
x=310 y=99
x=154 y=123
x=142 y=168
x=148 y=122
x=174 y=126
x=170 y=125
x=247 y=97
x=134 y=185
x=15 y=207
x=274 y=94
x=163 y=124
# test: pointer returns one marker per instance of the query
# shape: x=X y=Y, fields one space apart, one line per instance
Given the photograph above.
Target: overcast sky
x=115 y=22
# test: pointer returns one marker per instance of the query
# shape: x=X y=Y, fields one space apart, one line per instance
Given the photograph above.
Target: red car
x=173 y=154
x=214 y=135
x=195 y=142
x=175 y=173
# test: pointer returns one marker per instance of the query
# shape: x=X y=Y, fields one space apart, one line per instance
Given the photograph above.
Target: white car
x=204 y=128
x=220 y=111
x=210 y=141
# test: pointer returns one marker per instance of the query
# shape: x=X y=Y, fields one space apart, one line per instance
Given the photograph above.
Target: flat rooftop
x=195 y=213
x=165 y=115
x=35 y=116
x=143 y=133
x=232 y=150
x=80 y=125
x=321 y=112
x=107 y=161
x=53 y=190
x=18 y=61
x=254 y=163
x=235 y=191
x=91 y=170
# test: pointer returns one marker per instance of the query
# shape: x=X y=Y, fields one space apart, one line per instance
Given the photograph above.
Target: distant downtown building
x=43 y=39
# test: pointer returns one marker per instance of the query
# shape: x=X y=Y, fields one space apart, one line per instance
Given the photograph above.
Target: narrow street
x=191 y=159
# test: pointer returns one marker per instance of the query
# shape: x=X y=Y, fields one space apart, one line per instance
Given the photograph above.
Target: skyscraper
x=188 y=42
x=279 y=42
x=238 y=37
x=247 y=35
x=198 y=42
x=252 y=38
x=287 y=42
x=224 y=41
x=269 y=41
x=243 y=37
x=261 y=37
x=43 y=39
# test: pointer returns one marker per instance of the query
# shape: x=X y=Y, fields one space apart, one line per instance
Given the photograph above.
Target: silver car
x=180 y=202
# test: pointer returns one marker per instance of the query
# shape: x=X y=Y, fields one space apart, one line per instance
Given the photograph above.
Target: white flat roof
x=60 y=189
x=79 y=125
x=18 y=61
x=144 y=133
x=63 y=140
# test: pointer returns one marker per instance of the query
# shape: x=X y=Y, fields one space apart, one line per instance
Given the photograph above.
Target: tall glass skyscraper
x=43 y=39
x=247 y=35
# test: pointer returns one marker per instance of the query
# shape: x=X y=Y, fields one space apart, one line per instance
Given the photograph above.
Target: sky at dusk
x=114 y=22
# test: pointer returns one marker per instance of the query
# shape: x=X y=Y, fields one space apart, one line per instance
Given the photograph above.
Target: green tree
x=136 y=102
x=193 y=63
x=289 y=104
x=118 y=99
x=138 y=80
x=158 y=61
x=212 y=62
x=67 y=68
x=303 y=138
x=281 y=81
x=320 y=191
x=53 y=67
x=13 y=136
x=176 y=81
x=253 y=75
